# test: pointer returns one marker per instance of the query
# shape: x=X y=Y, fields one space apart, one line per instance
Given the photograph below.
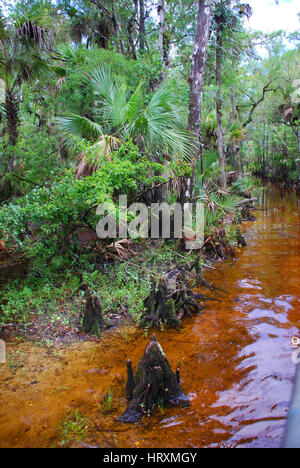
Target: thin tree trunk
x=236 y=146
x=197 y=76
x=116 y=30
x=298 y=164
x=163 y=40
x=161 y=10
x=142 y=31
x=219 y=56
x=239 y=158
x=233 y=103
x=130 y=30
x=12 y=117
x=298 y=139
x=267 y=149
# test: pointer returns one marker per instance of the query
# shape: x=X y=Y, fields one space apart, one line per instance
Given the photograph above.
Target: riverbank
x=49 y=307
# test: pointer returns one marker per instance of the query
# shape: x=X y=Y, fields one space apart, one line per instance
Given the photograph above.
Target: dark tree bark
x=197 y=76
x=155 y=385
x=163 y=39
x=93 y=321
x=142 y=31
x=12 y=116
x=131 y=29
x=116 y=30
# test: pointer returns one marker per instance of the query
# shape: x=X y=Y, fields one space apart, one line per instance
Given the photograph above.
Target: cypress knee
x=155 y=384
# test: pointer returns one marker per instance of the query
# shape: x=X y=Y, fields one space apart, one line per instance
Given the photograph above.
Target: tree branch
x=266 y=89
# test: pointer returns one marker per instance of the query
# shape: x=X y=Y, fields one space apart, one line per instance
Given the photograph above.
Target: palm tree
x=24 y=39
x=158 y=128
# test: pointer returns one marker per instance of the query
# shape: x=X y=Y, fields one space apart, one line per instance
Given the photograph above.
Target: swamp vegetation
x=162 y=102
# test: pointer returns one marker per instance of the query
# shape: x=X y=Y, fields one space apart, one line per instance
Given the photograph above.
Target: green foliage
x=45 y=221
x=104 y=404
x=72 y=428
x=243 y=185
x=36 y=161
x=15 y=360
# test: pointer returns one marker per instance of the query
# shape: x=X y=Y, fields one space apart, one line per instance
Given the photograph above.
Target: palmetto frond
x=103 y=83
x=79 y=126
x=223 y=203
x=90 y=161
x=158 y=127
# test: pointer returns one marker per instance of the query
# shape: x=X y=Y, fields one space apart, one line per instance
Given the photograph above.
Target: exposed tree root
x=154 y=385
x=218 y=246
x=93 y=321
x=170 y=300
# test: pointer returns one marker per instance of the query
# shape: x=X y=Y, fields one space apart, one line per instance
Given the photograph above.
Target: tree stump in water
x=169 y=301
x=93 y=321
x=241 y=242
x=155 y=385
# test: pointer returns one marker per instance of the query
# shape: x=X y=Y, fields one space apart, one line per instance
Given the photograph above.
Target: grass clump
x=72 y=428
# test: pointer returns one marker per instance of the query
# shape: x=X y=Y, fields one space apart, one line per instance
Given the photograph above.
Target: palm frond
x=135 y=105
x=91 y=160
x=102 y=81
x=114 y=107
x=159 y=128
x=33 y=27
x=79 y=126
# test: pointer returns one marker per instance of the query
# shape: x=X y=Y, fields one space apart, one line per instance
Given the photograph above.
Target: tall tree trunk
x=236 y=146
x=12 y=117
x=233 y=103
x=197 y=76
x=267 y=149
x=298 y=163
x=298 y=139
x=163 y=40
x=130 y=30
x=238 y=157
x=219 y=56
x=116 y=30
x=142 y=31
x=161 y=10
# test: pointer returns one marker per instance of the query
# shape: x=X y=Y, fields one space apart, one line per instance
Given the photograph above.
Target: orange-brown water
x=235 y=359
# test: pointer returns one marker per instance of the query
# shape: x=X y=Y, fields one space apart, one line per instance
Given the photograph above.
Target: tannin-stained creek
x=235 y=359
